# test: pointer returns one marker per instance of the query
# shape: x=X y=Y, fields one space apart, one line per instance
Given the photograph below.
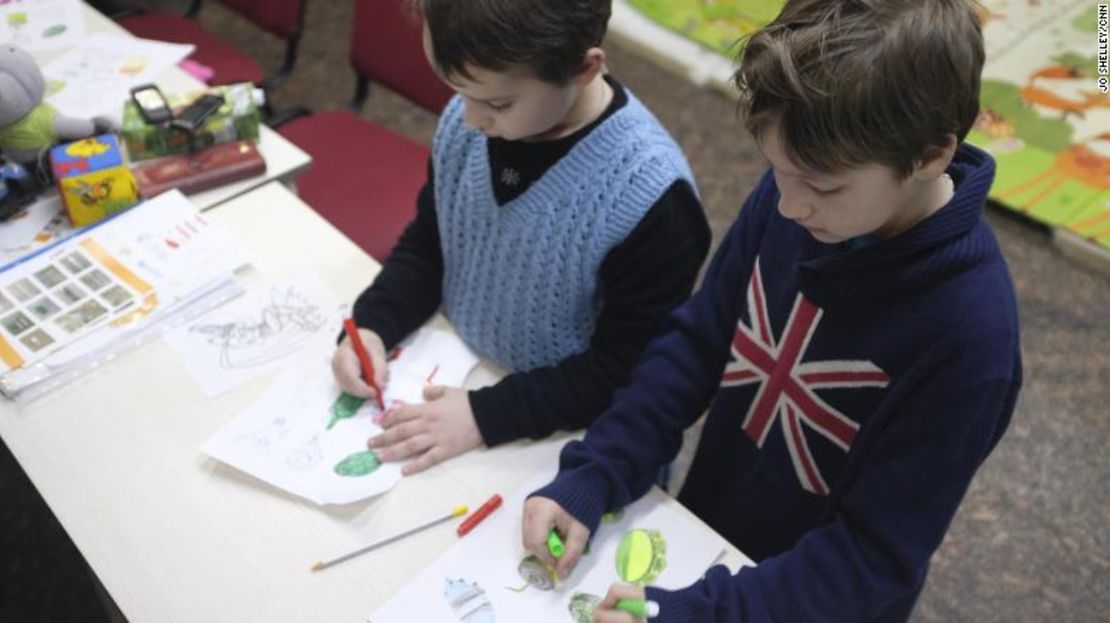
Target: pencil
x=363 y=359
x=458 y=512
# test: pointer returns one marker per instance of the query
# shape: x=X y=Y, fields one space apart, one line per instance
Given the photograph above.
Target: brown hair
x=551 y=37
x=853 y=82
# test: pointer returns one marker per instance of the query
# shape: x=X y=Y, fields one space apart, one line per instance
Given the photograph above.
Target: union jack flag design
x=788 y=387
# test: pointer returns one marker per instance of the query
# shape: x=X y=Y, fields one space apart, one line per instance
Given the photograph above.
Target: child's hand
x=435 y=431
x=606 y=611
x=540 y=516
x=348 y=371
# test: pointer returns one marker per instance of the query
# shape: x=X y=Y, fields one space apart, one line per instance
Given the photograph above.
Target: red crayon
x=483 y=511
x=364 y=359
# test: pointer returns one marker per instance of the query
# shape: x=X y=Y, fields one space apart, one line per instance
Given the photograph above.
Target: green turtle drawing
x=641 y=556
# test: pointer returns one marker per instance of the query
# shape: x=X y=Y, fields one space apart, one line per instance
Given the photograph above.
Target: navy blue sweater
x=852 y=393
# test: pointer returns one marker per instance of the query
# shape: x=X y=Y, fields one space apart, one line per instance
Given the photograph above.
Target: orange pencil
x=364 y=359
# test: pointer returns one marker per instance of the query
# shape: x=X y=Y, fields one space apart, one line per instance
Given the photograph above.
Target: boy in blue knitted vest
x=855 y=337
x=558 y=227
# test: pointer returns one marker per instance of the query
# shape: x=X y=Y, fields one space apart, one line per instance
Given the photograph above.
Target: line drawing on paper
x=306 y=456
x=468 y=601
x=534 y=573
x=266 y=435
x=278 y=329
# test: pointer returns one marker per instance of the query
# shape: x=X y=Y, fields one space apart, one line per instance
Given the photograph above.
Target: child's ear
x=936 y=160
x=592 y=64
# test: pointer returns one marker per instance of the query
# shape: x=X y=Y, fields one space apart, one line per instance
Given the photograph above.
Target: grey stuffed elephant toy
x=28 y=125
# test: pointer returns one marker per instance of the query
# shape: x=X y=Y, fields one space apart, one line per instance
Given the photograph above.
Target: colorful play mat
x=717 y=24
x=1044 y=118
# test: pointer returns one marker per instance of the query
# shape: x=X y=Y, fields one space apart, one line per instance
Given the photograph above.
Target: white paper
x=173 y=245
x=259 y=333
x=475 y=575
x=41 y=24
x=95 y=78
x=291 y=439
x=40 y=224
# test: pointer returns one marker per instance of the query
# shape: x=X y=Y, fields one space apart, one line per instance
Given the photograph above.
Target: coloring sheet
x=121 y=272
x=41 y=24
x=307 y=437
x=486 y=576
x=95 y=78
x=258 y=333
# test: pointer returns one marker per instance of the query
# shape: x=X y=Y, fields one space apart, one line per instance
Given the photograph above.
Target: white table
x=176 y=536
x=284 y=160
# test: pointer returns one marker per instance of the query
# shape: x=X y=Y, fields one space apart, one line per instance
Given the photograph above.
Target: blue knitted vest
x=520 y=280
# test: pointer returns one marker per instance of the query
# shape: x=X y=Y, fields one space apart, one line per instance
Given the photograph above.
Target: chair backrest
x=281 y=18
x=387 y=47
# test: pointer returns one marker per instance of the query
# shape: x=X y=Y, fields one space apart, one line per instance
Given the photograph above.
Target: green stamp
x=358 y=464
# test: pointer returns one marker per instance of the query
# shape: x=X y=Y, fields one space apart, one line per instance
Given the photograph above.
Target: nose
x=794 y=209
x=475 y=120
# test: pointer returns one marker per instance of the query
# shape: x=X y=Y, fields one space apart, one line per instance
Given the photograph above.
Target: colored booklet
x=117 y=283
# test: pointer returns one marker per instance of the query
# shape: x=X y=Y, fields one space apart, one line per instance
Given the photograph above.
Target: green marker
x=555 y=544
x=639 y=608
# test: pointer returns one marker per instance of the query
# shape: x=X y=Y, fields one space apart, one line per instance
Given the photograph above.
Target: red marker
x=475 y=518
x=364 y=359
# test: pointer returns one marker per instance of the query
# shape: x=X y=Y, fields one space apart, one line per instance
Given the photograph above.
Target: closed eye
x=499 y=106
x=826 y=192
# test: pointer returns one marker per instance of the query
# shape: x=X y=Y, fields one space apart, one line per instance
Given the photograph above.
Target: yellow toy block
x=93 y=179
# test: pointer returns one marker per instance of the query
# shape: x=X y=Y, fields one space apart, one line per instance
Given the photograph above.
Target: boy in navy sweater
x=855 y=337
x=558 y=227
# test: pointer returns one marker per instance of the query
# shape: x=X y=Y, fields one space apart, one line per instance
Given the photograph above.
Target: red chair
x=365 y=179
x=387 y=47
x=282 y=18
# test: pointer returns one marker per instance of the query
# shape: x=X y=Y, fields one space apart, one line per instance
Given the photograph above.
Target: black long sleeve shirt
x=641 y=280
